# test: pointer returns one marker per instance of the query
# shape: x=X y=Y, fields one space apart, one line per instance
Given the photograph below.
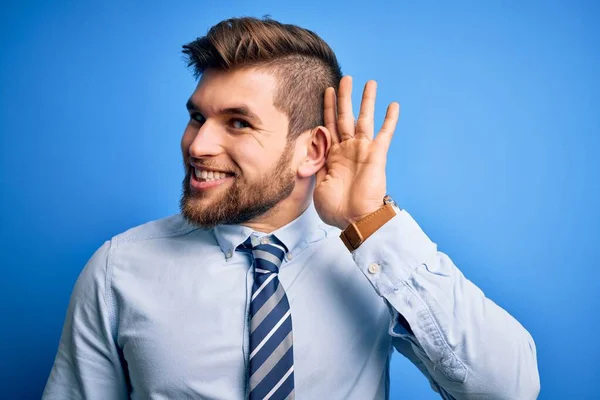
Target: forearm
x=471 y=347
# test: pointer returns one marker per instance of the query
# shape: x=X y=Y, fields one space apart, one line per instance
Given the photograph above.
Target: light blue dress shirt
x=160 y=312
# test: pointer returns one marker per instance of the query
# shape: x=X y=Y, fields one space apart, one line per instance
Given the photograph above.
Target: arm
x=87 y=364
x=467 y=346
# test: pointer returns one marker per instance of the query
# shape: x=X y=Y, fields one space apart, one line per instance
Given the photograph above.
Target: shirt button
x=264 y=240
x=374 y=268
x=288 y=256
x=229 y=254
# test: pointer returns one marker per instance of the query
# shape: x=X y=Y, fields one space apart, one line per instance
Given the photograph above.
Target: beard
x=243 y=201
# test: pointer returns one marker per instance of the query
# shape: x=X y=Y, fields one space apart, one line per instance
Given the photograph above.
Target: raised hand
x=352 y=182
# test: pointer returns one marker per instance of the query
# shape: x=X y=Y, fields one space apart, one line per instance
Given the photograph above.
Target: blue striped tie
x=271 y=350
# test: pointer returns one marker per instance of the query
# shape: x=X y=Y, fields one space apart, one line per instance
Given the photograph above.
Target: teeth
x=209 y=176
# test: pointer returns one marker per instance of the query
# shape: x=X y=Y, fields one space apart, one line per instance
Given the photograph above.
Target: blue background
x=496 y=153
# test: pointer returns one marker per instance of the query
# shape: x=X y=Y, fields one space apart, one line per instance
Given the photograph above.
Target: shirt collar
x=295 y=236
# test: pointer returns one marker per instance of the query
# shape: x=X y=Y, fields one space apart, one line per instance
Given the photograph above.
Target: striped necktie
x=271 y=350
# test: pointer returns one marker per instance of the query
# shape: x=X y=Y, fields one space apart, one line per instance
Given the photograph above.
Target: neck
x=284 y=212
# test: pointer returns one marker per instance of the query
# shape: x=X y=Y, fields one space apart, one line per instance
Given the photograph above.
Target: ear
x=316 y=147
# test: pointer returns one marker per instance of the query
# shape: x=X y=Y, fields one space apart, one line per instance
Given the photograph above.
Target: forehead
x=224 y=89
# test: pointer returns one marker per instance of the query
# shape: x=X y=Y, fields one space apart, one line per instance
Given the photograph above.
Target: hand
x=352 y=183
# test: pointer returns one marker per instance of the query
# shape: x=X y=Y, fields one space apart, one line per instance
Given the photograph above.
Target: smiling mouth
x=203 y=175
x=204 y=179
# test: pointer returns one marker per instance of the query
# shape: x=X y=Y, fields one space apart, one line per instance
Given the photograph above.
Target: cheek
x=254 y=161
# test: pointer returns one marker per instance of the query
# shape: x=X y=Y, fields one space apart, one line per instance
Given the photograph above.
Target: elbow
x=510 y=378
x=534 y=391
x=528 y=390
x=526 y=387
x=527 y=379
x=532 y=376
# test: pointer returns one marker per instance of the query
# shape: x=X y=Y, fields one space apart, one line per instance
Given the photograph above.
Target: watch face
x=387 y=199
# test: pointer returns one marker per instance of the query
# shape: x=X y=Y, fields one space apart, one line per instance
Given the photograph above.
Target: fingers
x=365 y=124
x=329 y=115
x=384 y=137
x=345 y=116
x=342 y=128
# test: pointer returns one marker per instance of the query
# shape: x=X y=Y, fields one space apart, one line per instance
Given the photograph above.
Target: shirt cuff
x=388 y=257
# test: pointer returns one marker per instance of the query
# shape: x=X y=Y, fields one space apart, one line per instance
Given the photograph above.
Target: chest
x=184 y=330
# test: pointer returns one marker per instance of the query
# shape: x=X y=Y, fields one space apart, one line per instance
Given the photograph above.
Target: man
x=286 y=273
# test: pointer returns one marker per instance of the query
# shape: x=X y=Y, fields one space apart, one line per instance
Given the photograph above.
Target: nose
x=206 y=141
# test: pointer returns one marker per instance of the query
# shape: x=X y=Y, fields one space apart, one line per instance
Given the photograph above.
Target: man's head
x=256 y=115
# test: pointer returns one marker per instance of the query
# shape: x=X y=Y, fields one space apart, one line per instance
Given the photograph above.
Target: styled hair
x=303 y=64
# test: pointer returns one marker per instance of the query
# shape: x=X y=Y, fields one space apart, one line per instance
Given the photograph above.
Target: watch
x=357 y=232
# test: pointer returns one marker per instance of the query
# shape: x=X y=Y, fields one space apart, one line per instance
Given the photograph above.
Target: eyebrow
x=239 y=110
x=190 y=105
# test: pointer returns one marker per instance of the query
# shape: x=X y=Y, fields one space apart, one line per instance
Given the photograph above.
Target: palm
x=352 y=183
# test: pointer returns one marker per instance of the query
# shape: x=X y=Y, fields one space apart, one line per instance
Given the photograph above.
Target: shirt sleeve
x=87 y=364
x=466 y=345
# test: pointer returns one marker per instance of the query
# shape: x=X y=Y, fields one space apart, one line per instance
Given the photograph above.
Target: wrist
x=361 y=214
x=357 y=231
x=346 y=222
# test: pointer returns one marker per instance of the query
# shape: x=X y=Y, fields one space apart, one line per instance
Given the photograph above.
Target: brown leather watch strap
x=357 y=232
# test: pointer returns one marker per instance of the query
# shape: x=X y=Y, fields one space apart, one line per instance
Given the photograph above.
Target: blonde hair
x=302 y=62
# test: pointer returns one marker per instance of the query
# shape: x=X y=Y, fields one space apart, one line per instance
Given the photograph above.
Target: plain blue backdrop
x=495 y=155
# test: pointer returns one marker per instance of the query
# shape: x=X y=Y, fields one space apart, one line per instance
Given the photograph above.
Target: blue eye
x=239 y=124
x=197 y=117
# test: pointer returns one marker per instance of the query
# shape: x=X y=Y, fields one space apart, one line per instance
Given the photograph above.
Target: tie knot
x=268 y=253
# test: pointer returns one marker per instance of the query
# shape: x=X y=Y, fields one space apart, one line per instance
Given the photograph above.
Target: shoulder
x=172 y=226
x=146 y=240
x=158 y=242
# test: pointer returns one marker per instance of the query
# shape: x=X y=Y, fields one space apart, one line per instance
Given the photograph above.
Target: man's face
x=235 y=149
